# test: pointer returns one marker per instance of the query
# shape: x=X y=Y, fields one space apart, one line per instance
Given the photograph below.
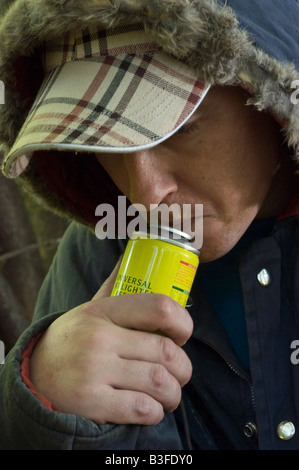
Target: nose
x=151 y=178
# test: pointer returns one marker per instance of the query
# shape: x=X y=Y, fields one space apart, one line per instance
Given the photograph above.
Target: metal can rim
x=183 y=235
x=182 y=244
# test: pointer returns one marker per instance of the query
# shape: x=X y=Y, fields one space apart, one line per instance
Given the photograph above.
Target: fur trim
x=201 y=33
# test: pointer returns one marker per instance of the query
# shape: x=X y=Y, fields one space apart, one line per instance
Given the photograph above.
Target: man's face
x=225 y=158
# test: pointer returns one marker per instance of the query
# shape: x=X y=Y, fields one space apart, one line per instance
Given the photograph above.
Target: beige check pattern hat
x=106 y=91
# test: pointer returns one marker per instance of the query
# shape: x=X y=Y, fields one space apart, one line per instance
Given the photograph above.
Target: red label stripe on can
x=187 y=264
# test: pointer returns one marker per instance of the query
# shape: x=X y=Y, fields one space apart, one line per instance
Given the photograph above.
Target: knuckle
x=169 y=349
x=159 y=376
x=98 y=338
x=174 y=356
x=84 y=392
x=89 y=308
x=164 y=306
x=142 y=405
x=147 y=410
x=94 y=341
x=98 y=308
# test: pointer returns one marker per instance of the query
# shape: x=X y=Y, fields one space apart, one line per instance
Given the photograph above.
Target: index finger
x=146 y=312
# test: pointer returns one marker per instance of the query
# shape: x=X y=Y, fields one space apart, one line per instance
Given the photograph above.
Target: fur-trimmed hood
x=253 y=43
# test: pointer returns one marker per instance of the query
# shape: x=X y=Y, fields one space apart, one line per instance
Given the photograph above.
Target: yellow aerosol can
x=162 y=261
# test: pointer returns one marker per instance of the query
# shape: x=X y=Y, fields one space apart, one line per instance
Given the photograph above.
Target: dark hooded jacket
x=230 y=403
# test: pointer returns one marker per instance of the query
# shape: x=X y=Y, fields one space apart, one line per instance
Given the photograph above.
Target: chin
x=209 y=257
x=219 y=240
x=212 y=253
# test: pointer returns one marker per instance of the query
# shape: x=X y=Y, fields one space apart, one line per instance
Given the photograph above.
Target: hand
x=101 y=360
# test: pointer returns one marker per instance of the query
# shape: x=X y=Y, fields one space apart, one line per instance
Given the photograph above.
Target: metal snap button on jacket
x=286 y=430
x=264 y=277
x=250 y=429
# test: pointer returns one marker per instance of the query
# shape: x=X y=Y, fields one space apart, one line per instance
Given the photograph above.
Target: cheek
x=235 y=177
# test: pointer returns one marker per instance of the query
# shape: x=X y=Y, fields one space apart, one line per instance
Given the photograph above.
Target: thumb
x=107 y=286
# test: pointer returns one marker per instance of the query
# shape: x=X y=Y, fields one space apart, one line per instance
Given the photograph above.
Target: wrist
x=25 y=372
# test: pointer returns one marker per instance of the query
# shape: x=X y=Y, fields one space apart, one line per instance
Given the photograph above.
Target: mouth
x=185 y=222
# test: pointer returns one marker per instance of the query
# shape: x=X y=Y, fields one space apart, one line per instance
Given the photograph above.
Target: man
x=163 y=102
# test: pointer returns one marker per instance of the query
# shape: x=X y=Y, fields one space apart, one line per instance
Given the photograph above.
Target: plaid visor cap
x=106 y=91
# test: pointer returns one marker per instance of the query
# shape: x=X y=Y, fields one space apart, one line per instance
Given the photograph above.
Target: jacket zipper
x=236 y=372
x=246 y=380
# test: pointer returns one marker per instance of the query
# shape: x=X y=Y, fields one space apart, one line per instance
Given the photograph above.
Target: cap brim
x=113 y=104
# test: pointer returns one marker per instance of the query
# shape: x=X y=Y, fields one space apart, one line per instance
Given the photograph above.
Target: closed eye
x=188 y=128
